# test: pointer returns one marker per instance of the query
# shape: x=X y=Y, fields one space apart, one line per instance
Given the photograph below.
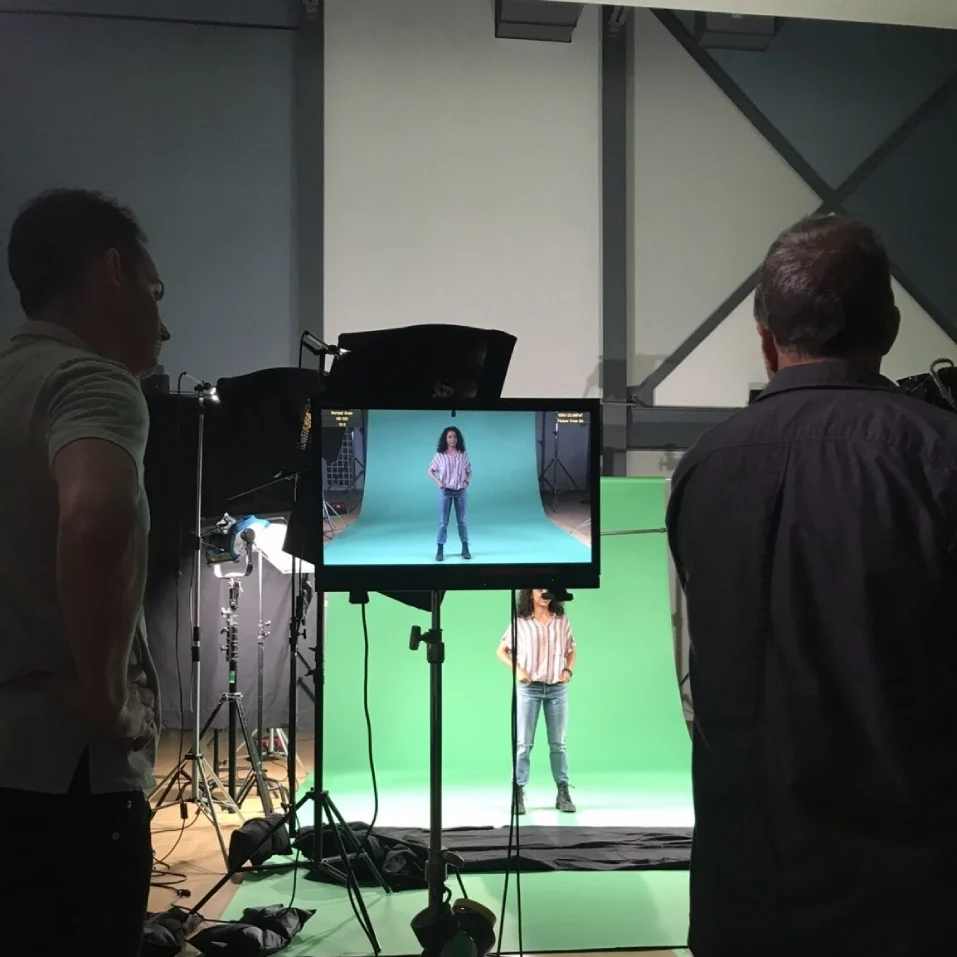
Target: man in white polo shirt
x=75 y=672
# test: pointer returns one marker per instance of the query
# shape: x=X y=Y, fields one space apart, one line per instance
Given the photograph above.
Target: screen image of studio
x=503 y=487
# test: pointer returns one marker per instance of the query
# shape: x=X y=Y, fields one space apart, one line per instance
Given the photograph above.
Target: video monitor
x=462 y=496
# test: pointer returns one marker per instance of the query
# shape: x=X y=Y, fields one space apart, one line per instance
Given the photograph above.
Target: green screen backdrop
x=624 y=708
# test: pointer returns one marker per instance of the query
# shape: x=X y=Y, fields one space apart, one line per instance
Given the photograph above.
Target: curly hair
x=525 y=605
x=443 y=445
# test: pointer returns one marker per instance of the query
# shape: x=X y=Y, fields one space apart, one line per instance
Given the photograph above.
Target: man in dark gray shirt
x=75 y=669
x=815 y=534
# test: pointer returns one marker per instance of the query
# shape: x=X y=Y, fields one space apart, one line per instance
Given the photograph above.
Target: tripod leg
x=208 y=804
x=327 y=810
x=356 y=845
x=571 y=481
x=166 y=785
x=256 y=774
x=267 y=837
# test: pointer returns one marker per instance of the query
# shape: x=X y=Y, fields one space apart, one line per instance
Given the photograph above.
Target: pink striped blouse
x=542 y=648
x=452 y=469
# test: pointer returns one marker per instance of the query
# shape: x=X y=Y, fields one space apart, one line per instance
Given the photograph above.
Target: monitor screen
x=471 y=497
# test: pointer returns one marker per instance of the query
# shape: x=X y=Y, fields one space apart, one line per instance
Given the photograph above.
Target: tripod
x=437 y=911
x=336 y=869
x=555 y=463
x=200 y=775
x=270 y=742
x=233 y=700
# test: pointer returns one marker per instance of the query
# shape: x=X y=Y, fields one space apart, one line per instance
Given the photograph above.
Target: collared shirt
x=452 y=469
x=814 y=533
x=55 y=390
x=542 y=648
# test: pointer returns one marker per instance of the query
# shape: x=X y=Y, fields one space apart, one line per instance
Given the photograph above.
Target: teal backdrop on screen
x=398 y=520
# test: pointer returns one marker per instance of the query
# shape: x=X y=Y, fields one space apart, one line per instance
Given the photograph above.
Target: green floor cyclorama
x=628 y=752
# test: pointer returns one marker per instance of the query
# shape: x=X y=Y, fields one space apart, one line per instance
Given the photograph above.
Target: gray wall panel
x=912 y=201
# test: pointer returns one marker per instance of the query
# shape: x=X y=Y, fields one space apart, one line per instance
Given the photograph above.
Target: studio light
x=229 y=540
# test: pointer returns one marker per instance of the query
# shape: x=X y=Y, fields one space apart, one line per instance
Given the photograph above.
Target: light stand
x=233 y=698
x=347 y=844
x=443 y=928
x=435 y=870
x=261 y=637
x=201 y=776
x=555 y=463
x=271 y=742
x=326 y=813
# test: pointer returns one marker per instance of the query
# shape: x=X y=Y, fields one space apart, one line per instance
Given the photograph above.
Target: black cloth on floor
x=400 y=853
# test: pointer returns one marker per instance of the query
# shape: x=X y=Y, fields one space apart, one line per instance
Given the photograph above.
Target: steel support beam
x=832 y=198
x=308 y=174
x=614 y=239
x=246 y=14
x=667 y=428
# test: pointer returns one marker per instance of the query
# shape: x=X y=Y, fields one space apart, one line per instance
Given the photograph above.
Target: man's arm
x=433 y=471
x=680 y=636
x=96 y=428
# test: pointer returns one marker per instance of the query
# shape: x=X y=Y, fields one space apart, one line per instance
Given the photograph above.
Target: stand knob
x=415 y=639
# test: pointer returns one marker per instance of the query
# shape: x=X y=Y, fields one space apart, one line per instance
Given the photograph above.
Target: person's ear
x=113 y=271
x=769 y=350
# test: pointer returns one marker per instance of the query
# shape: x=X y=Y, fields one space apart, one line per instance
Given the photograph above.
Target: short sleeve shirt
x=54 y=390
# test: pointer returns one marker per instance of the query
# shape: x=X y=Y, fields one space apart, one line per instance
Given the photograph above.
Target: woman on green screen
x=451 y=470
x=544 y=659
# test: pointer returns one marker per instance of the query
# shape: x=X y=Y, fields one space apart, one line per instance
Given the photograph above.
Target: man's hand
x=565 y=677
x=135 y=721
x=522 y=676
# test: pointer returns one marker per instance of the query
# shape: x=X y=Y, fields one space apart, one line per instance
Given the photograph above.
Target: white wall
x=720 y=371
x=462 y=183
x=709 y=194
x=191 y=126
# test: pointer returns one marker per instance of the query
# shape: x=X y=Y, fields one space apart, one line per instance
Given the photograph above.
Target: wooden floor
x=189 y=850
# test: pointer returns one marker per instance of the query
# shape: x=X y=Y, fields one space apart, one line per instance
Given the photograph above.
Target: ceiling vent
x=735 y=31
x=553 y=21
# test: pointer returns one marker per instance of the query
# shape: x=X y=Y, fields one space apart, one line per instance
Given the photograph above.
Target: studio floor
x=563 y=912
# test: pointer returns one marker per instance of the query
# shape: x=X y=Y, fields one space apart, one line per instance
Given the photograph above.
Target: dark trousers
x=76 y=871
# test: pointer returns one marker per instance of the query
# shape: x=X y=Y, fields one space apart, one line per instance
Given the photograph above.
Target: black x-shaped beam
x=832 y=199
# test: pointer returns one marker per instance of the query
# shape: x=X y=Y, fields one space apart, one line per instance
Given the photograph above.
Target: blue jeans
x=532 y=699
x=447 y=498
